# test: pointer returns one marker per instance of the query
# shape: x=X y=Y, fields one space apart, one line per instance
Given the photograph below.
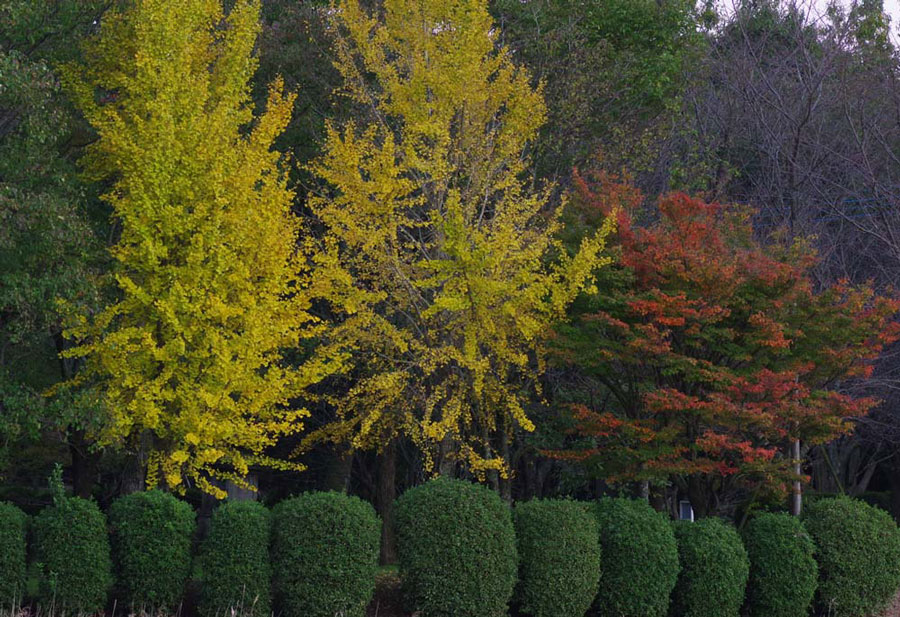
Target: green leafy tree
x=151 y=534
x=49 y=224
x=13 y=523
x=613 y=71
x=324 y=555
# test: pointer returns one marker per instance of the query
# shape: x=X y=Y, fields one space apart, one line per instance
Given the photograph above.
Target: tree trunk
x=657 y=498
x=698 y=496
x=83 y=460
x=83 y=465
x=797 y=494
x=527 y=478
x=238 y=493
x=447 y=463
x=506 y=483
x=862 y=484
x=135 y=473
x=337 y=472
x=644 y=490
x=384 y=501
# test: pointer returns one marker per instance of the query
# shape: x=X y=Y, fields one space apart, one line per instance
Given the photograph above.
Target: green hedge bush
x=714 y=570
x=558 y=542
x=234 y=561
x=151 y=548
x=72 y=547
x=324 y=555
x=638 y=545
x=858 y=552
x=457 y=549
x=783 y=571
x=12 y=554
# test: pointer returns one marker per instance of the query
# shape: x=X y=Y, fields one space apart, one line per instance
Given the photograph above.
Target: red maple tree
x=715 y=351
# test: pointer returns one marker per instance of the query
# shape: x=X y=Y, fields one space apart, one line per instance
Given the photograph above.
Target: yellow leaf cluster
x=448 y=256
x=211 y=288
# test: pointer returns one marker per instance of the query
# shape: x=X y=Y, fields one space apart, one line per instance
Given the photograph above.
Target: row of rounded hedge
x=459 y=548
x=322 y=562
x=462 y=552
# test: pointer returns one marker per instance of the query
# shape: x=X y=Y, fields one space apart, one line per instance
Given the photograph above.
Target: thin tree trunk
x=797 y=494
x=83 y=460
x=527 y=478
x=542 y=470
x=506 y=483
x=384 y=497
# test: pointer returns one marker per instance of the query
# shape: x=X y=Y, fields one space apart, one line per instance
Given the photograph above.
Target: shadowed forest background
x=794 y=118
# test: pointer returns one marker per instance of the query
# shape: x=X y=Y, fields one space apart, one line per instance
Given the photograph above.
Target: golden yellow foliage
x=211 y=289
x=449 y=258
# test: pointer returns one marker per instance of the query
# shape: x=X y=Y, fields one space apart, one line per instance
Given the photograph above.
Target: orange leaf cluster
x=715 y=347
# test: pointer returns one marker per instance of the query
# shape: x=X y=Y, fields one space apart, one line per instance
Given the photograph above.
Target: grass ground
x=388 y=601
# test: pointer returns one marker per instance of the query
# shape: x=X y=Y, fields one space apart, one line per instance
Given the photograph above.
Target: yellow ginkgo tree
x=210 y=287
x=435 y=237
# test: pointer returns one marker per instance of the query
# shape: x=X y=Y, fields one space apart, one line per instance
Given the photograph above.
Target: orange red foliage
x=717 y=350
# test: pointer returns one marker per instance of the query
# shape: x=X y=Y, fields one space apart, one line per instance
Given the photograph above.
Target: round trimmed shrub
x=714 y=570
x=324 y=555
x=558 y=542
x=639 y=544
x=151 y=548
x=72 y=547
x=12 y=553
x=234 y=561
x=457 y=549
x=858 y=552
x=783 y=571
